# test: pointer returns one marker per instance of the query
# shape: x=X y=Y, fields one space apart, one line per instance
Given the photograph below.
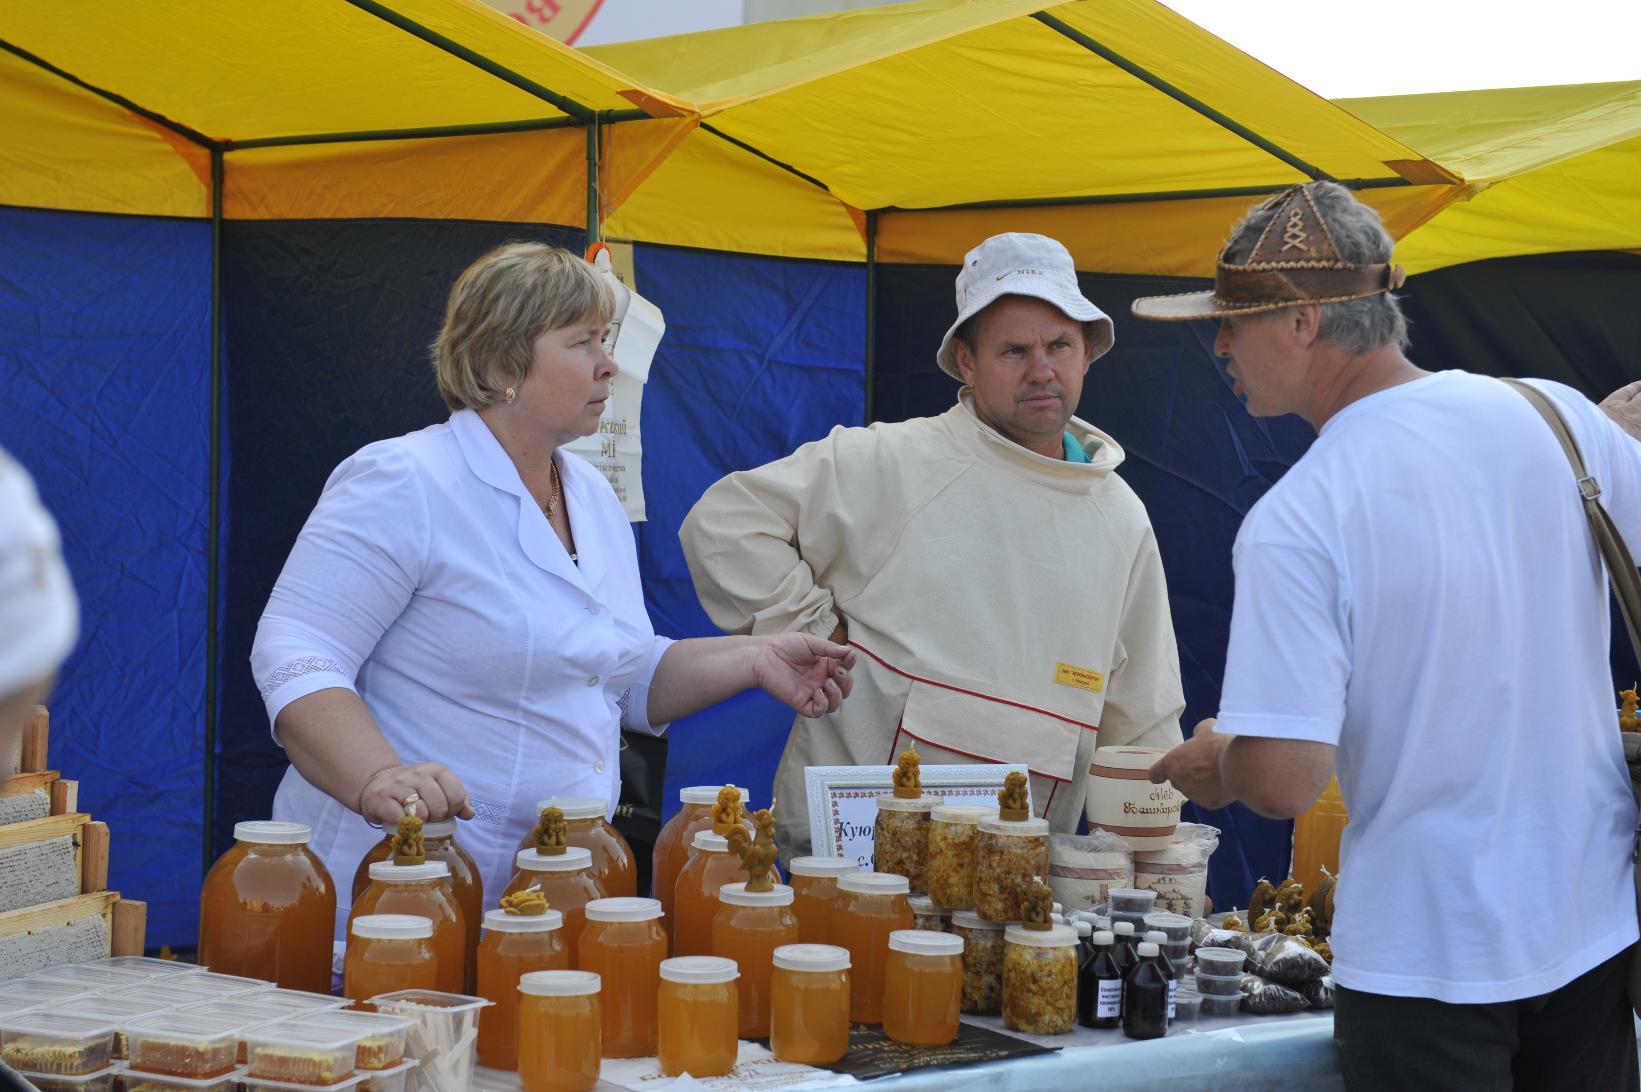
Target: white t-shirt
x=1423 y=591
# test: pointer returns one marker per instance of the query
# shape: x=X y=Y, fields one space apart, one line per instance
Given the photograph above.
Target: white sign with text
x=843 y=800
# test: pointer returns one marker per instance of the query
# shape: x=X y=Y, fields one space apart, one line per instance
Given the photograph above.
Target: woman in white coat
x=460 y=628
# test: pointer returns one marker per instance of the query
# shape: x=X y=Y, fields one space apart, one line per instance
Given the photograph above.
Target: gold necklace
x=553 y=498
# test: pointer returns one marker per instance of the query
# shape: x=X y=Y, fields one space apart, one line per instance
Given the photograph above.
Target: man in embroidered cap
x=39 y=615
x=1420 y=606
x=1001 y=582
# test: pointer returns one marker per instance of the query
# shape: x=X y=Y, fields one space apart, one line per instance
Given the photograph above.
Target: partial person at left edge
x=460 y=623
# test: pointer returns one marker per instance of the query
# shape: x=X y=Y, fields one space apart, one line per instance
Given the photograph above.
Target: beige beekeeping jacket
x=1007 y=607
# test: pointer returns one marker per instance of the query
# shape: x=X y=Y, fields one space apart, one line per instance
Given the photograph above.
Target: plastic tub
x=100 y=1081
x=175 y=1044
x=172 y=993
x=386 y=1080
x=1220 y=1006
x=149 y=966
x=1131 y=900
x=1223 y=962
x=116 y=1010
x=56 y=1044
x=386 y=1038
x=1187 y=1005
x=304 y=1051
x=1176 y=952
x=17 y=1005
x=227 y=985
x=90 y=975
x=447 y=1023
x=294 y=1001
x=39 y=992
x=135 y=1081
x=1176 y=927
x=1216 y=985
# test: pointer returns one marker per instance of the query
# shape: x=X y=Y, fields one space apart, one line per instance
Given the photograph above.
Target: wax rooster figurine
x=550 y=833
x=407 y=842
x=908 y=778
x=1627 y=720
x=757 y=857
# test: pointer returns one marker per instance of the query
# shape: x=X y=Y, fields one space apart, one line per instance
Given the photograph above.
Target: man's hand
x=1193 y=767
x=1624 y=406
x=807 y=673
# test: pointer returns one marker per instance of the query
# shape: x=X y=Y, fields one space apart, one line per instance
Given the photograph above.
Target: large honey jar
x=624 y=944
x=695 y=896
x=922 y=987
x=584 y=825
x=423 y=891
x=1040 y=979
x=696 y=1016
x=900 y=838
x=673 y=844
x=565 y=881
x=387 y=952
x=514 y=945
x=748 y=928
x=809 y=1011
x=1008 y=854
x=439 y=844
x=268 y=909
x=869 y=906
x=814 y=882
x=954 y=830
x=559 y=1031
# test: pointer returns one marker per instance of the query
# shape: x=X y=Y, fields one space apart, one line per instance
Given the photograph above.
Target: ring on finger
x=409 y=803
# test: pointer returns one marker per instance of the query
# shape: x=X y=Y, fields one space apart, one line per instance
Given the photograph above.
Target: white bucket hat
x=39 y=614
x=1020 y=264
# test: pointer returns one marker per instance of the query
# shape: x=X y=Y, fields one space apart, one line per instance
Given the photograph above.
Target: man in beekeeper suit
x=1001 y=582
x=39 y=614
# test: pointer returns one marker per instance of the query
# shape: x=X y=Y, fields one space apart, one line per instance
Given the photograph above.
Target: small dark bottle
x=1123 y=947
x=1158 y=938
x=1099 y=986
x=1145 y=997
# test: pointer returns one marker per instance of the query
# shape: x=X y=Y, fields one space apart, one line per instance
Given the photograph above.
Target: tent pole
x=214 y=517
x=595 y=228
x=1179 y=96
x=118 y=100
x=483 y=128
x=871 y=315
x=1144 y=198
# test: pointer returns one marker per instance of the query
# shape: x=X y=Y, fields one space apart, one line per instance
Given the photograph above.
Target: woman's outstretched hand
x=807 y=673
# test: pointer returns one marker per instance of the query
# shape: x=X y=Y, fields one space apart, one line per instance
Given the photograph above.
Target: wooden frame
x=843 y=799
x=127 y=921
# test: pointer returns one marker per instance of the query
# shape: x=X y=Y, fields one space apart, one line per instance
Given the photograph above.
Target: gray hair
x=1355 y=326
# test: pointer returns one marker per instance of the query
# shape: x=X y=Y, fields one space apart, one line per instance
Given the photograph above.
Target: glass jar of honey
x=1008 y=854
x=900 y=838
x=809 y=1004
x=559 y=1031
x=424 y=891
x=748 y=928
x=614 y=867
x=672 y=846
x=695 y=896
x=982 y=962
x=869 y=906
x=926 y=914
x=387 y=952
x=439 y=844
x=696 y=1016
x=814 y=883
x=624 y=944
x=953 y=831
x=565 y=881
x=1040 y=979
x=514 y=945
x=922 y=987
x=268 y=909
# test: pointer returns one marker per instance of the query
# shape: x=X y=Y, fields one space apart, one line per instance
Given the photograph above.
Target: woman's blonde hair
x=499 y=306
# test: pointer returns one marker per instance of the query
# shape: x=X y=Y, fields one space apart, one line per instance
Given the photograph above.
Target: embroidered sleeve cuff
x=635 y=703
x=1278 y=726
x=297 y=679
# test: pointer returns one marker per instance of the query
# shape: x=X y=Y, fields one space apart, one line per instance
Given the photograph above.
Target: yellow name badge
x=1080 y=677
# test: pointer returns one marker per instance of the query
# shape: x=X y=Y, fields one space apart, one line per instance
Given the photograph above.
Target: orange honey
x=869 y=906
x=387 y=952
x=673 y=845
x=422 y=891
x=439 y=844
x=514 y=945
x=695 y=896
x=814 y=883
x=809 y=1014
x=696 y=1016
x=559 y=1031
x=748 y=927
x=566 y=882
x=614 y=867
x=624 y=944
x=922 y=987
x=268 y=909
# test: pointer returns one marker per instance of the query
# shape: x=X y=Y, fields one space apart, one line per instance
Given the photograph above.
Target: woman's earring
x=508 y=395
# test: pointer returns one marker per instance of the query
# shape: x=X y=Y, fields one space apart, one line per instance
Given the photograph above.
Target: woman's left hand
x=807 y=673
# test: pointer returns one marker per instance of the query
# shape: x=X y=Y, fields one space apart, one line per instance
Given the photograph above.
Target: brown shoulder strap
x=1626 y=582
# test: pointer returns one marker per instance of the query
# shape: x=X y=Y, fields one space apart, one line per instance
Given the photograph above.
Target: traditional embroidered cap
x=1020 y=264
x=39 y=614
x=1294 y=261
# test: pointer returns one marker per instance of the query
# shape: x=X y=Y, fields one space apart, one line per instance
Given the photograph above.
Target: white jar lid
x=1103 y=936
x=970 y=919
x=269 y=833
x=699 y=970
x=736 y=894
x=391 y=927
x=925 y=942
x=388 y=872
x=1123 y=928
x=576 y=807
x=503 y=922
x=962 y=814
x=624 y=908
x=812 y=957
x=706 y=794
x=890 y=802
x=822 y=866
x=875 y=883
x=1055 y=936
x=1020 y=828
x=926 y=907
x=572 y=859
x=559 y=983
x=1161 y=919
x=712 y=843
x=439 y=828
x=1128 y=758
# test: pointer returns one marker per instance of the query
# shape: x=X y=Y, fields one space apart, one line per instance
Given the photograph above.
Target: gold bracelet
x=361 y=808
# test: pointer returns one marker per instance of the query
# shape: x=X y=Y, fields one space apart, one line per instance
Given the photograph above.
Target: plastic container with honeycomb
x=395 y=1079
x=383 y=1046
x=173 y=993
x=295 y=1001
x=89 y=974
x=56 y=1043
x=308 y=1051
x=227 y=985
x=134 y=1081
x=38 y=992
x=116 y=1010
x=245 y=1012
x=149 y=966
x=100 y=1081
x=175 y=1044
